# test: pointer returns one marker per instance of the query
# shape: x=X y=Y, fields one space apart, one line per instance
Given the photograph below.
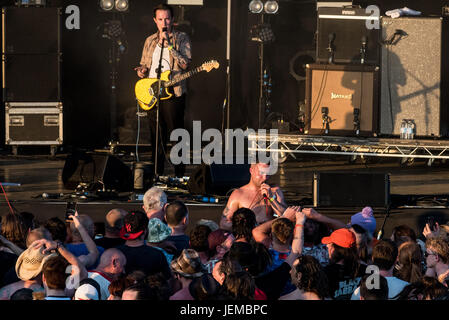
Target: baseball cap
x=86 y=292
x=365 y=219
x=341 y=237
x=135 y=223
x=157 y=231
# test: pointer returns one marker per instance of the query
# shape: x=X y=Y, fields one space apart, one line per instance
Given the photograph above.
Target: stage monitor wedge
x=97 y=171
x=218 y=179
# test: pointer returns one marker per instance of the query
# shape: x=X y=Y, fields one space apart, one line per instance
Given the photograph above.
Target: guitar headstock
x=209 y=65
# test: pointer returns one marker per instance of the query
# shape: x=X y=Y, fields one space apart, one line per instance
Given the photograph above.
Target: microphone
x=165 y=30
x=363 y=49
x=46 y=195
x=330 y=47
x=393 y=39
x=364 y=41
x=357 y=121
x=400 y=32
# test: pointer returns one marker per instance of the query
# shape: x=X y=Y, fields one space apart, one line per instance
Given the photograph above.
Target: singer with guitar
x=265 y=201
x=176 y=56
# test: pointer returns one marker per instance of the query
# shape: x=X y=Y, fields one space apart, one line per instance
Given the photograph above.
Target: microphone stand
x=363 y=53
x=331 y=50
x=159 y=88
x=326 y=120
x=356 y=121
x=381 y=231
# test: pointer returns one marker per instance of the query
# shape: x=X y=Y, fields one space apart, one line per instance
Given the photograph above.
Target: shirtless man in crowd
x=263 y=200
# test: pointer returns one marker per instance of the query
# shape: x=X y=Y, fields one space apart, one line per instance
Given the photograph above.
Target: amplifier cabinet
x=348 y=27
x=414 y=76
x=342 y=100
x=38 y=123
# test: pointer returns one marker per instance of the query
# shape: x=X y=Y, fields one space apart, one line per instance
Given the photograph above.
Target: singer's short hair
x=164 y=7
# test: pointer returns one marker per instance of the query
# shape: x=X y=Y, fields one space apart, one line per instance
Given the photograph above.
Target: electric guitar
x=146 y=89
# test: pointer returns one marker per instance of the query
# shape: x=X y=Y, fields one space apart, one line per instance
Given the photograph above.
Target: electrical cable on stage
x=6 y=197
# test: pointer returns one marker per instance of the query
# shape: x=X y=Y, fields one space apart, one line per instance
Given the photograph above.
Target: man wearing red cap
x=140 y=256
x=344 y=271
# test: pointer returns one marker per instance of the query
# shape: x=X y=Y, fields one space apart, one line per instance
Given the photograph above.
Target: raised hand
x=290 y=212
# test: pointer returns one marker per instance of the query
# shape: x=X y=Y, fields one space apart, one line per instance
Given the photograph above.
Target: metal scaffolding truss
x=288 y=144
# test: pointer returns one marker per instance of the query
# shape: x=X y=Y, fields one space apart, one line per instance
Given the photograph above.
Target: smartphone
x=431 y=222
x=70 y=210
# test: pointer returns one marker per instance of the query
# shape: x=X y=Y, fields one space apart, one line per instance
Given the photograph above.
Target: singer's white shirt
x=155 y=61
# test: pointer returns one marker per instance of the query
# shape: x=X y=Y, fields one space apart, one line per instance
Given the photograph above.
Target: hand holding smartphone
x=70 y=210
x=431 y=222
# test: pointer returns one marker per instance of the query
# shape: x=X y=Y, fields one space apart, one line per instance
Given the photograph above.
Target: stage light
x=122 y=5
x=271 y=7
x=256 y=6
x=114 y=5
x=30 y=3
x=106 y=5
x=262 y=33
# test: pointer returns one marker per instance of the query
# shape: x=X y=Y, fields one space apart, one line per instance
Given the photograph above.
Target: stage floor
x=38 y=174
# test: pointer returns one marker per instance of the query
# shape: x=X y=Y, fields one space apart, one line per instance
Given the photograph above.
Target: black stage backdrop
x=86 y=71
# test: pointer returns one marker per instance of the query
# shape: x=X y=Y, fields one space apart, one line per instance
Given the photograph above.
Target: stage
x=416 y=189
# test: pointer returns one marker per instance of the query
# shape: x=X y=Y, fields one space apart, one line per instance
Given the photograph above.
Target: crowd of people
x=147 y=255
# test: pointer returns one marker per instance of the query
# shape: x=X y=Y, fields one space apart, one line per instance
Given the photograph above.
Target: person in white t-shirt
x=112 y=264
x=176 y=56
x=384 y=257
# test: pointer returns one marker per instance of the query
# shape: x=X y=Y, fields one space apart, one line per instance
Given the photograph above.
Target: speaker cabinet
x=414 y=75
x=341 y=99
x=348 y=27
x=31 y=54
x=348 y=189
x=31 y=78
x=96 y=171
x=218 y=179
x=31 y=30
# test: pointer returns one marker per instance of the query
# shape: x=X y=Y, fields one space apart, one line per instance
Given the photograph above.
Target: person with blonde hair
x=437 y=259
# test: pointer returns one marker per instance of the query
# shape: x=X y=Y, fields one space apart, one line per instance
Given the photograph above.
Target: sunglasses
x=426 y=254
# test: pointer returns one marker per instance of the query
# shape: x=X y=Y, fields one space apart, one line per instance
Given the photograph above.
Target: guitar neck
x=183 y=76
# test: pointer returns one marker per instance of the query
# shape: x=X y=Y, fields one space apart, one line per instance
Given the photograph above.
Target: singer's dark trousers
x=171 y=116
